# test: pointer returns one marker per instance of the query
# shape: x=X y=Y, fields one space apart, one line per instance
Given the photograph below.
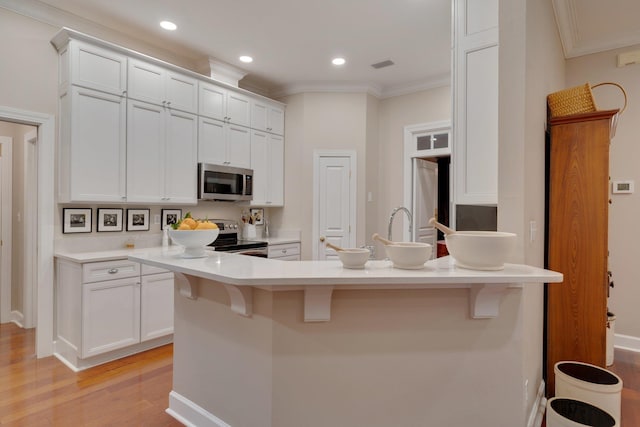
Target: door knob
x=322 y=239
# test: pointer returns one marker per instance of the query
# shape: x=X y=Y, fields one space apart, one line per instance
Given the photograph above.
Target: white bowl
x=194 y=241
x=408 y=255
x=480 y=250
x=353 y=257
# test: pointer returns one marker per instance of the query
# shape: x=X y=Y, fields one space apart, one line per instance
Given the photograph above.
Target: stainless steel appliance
x=228 y=183
x=228 y=240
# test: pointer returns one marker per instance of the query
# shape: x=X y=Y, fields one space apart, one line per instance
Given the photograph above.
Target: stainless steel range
x=228 y=240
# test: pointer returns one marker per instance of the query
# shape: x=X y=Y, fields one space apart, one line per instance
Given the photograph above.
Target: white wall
x=624 y=228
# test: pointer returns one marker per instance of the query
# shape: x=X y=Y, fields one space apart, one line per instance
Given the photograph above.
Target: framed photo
x=137 y=219
x=170 y=217
x=76 y=220
x=258 y=215
x=109 y=219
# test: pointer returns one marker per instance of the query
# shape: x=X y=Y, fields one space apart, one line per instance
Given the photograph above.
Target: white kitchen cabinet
x=110 y=309
x=267 y=162
x=161 y=154
x=223 y=143
x=92 y=67
x=284 y=251
x=158 y=85
x=267 y=117
x=475 y=147
x=217 y=102
x=92 y=160
x=156 y=306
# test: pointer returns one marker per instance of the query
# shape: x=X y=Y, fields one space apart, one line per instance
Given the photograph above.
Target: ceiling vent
x=382 y=64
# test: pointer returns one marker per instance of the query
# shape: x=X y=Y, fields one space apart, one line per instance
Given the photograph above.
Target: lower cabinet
x=110 y=309
x=284 y=251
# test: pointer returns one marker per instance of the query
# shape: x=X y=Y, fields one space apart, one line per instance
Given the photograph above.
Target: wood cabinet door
x=156 y=306
x=110 y=315
x=181 y=158
x=95 y=145
x=145 y=152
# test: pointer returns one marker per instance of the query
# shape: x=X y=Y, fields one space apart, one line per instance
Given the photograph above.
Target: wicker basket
x=577 y=100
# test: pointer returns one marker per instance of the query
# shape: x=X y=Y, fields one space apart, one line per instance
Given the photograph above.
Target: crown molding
x=442 y=80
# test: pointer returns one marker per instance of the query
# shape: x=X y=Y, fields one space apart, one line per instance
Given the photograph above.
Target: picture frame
x=76 y=220
x=170 y=217
x=137 y=219
x=258 y=214
x=109 y=220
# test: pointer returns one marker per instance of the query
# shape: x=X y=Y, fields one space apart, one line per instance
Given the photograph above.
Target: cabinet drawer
x=288 y=249
x=149 y=269
x=108 y=270
x=288 y=258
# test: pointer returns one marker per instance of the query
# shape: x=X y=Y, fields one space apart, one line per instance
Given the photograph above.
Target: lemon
x=190 y=223
x=184 y=226
x=206 y=225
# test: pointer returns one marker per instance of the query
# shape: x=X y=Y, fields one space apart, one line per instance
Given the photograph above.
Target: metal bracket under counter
x=484 y=299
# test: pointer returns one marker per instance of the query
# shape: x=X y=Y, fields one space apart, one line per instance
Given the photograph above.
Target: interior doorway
x=42 y=215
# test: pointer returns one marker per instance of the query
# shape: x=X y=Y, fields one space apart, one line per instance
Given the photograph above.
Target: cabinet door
x=145 y=152
x=96 y=68
x=239 y=146
x=212 y=101
x=93 y=135
x=259 y=164
x=181 y=160
x=259 y=115
x=110 y=315
x=275 y=180
x=156 y=306
x=212 y=145
x=181 y=92
x=276 y=120
x=146 y=82
x=238 y=109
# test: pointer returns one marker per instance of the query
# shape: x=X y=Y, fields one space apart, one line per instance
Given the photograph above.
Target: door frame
x=45 y=220
x=410 y=152
x=5 y=262
x=315 y=233
x=30 y=221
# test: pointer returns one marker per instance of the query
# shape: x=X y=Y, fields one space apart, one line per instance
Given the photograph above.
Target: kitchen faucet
x=393 y=213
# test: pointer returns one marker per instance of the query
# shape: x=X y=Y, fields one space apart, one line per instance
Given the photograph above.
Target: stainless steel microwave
x=228 y=183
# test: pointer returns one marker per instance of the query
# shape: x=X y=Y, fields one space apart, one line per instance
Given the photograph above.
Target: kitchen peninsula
x=262 y=342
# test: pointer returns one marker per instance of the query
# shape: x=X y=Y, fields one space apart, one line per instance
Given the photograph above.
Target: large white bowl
x=354 y=257
x=194 y=241
x=480 y=250
x=408 y=255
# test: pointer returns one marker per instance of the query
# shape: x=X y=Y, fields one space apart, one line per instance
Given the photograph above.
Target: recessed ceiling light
x=245 y=58
x=338 y=61
x=168 y=25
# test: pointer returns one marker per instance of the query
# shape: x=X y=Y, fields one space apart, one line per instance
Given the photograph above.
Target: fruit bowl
x=194 y=241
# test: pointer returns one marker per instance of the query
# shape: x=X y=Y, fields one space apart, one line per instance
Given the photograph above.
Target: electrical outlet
x=156 y=219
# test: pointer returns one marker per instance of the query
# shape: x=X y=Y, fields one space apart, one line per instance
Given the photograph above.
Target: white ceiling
x=293 y=41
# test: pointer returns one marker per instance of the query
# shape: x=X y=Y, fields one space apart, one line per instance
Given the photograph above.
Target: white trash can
x=611 y=323
x=591 y=384
x=565 y=412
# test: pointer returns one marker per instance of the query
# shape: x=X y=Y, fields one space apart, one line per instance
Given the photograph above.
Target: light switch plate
x=156 y=219
x=623 y=187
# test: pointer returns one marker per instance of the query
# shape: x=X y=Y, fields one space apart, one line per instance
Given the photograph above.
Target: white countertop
x=108 y=255
x=242 y=270
x=279 y=240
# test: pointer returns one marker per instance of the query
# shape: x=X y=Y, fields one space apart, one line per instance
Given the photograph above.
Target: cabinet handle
x=168 y=103
x=113 y=271
x=284 y=251
x=124 y=93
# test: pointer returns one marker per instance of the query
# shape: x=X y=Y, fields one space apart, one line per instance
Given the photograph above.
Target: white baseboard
x=538 y=407
x=190 y=414
x=626 y=342
x=17 y=317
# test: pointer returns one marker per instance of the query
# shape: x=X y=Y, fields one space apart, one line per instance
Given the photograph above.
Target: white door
x=334 y=198
x=425 y=201
x=156 y=306
x=181 y=158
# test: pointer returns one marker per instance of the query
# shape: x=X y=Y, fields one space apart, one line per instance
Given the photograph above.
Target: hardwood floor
x=134 y=391
x=43 y=392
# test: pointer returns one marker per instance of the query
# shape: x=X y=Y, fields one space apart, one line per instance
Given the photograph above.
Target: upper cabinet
x=267 y=117
x=475 y=91
x=151 y=83
x=228 y=106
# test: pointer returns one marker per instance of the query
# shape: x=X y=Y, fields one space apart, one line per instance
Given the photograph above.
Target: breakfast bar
x=261 y=342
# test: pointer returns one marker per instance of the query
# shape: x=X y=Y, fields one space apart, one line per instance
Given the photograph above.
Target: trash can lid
x=582 y=412
x=588 y=373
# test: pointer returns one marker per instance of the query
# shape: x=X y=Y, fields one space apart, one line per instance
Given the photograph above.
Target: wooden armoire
x=576 y=237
